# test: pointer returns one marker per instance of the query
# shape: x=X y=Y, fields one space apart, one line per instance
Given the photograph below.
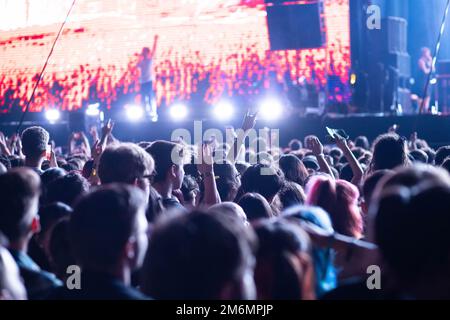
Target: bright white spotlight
x=52 y=115
x=223 y=111
x=178 y=111
x=270 y=109
x=134 y=112
x=93 y=110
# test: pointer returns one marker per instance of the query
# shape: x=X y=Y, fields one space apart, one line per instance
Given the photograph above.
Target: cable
x=45 y=67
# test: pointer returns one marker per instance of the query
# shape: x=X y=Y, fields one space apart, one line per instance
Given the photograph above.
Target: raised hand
x=341 y=143
x=107 y=128
x=314 y=144
x=96 y=150
x=206 y=164
x=249 y=121
x=53 y=162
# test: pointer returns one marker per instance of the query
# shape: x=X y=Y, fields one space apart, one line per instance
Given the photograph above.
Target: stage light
x=134 y=112
x=178 y=111
x=270 y=109
x=93 y=110
x=52 y=115
x=223 y=111
x=353 y=79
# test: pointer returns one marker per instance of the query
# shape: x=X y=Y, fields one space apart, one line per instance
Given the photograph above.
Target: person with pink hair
x=340 y=199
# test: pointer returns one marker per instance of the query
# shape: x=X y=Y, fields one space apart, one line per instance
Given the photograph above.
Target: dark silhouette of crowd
x=164 y=220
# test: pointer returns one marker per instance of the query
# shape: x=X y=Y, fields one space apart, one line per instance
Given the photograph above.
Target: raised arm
x=247 y=125
x=206 y=169
x=314 y=144
x=357 y=170
x=155 y=44
x=106 y=132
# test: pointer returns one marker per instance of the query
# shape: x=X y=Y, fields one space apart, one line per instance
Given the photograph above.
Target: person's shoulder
x=172 y=203
x=39 y=283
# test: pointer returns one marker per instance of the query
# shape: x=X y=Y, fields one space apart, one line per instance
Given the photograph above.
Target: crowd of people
x=165 y=220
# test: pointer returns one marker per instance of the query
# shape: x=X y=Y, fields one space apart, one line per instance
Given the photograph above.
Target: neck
x=164 y=189
x=19 y=245
x=33 y=163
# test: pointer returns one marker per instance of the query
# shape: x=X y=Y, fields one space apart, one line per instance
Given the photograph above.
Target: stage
x=434 y=129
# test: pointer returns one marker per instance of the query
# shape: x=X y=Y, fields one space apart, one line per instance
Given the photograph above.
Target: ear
x=35 y=225
x=173 y=171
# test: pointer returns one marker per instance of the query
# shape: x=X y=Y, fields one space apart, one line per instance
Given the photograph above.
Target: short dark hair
x=34 y=141
x=19 y=187
x=371 y=182
x=162 y=152
x=255 y=206
x=441 y=154
x=268 y=185
x=102 y=223
x=67 y=189
x=278 y=242
x=389 y=152
x=124 y=163
x=227 y=179
x=291 y=194
x=362 y=142
x=295 y=144
x=194 y=256
x=50 y=214
x=189 y=186
x=412 y=230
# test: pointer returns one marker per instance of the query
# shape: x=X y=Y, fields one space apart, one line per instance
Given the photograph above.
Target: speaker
x=391 y=38
x=296 y=26
x=401 y=62
x=389 y=64
x=394 y=30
